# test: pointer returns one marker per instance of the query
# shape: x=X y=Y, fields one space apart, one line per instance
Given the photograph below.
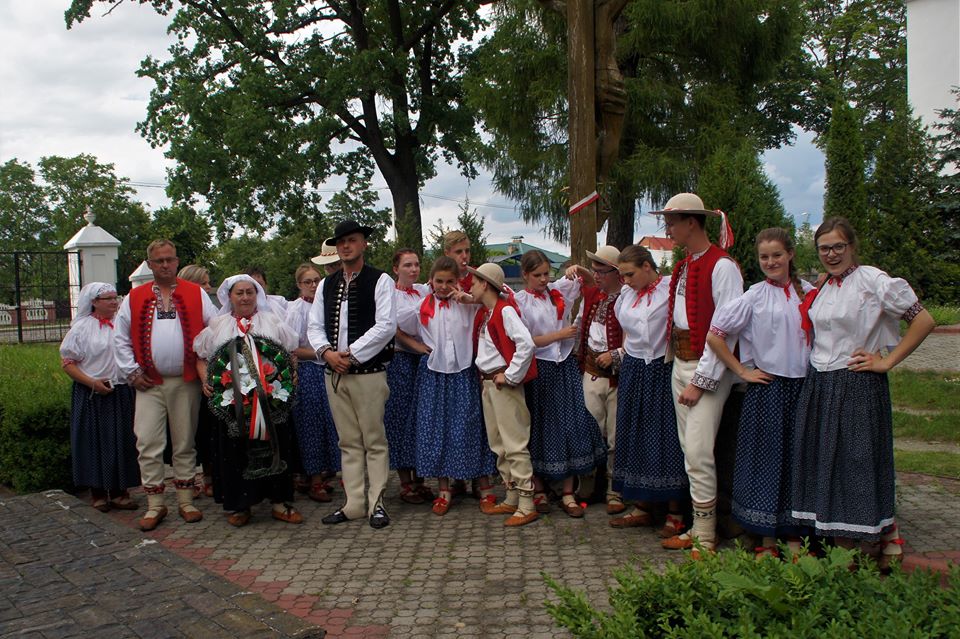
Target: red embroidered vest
x=189 y=307
x=592 y=296
x=698 y=295
x=498 y=335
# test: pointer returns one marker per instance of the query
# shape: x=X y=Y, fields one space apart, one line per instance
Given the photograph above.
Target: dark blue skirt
x=451 y=437
x=313 y=423
x=843 y=481
x=564 y=437
x=761 y=479
x=400 y=413
x=648 y=465
x=102 y=442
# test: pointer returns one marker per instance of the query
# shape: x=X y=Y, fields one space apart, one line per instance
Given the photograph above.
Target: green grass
x=925 y=390
x=928 y=463
x=939 y=427
x=945 y=315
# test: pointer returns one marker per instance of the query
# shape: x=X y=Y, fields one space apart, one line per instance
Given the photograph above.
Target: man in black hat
x=352 y=326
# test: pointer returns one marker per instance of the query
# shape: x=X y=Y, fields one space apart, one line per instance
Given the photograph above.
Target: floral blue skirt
x=843 y=480
x=648 y=465
x=313 y=423
x=400 y=413
x=564 y=437
x=451 y=437
x=761 y=476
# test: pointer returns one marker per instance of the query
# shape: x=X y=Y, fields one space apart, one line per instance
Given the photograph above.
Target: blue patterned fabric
x=564 y=437
x=400 y=413
x=316 y=435
x=843 y=481
x=102 y=443
x=648 y=465
x=451 y=437
x=761 y=479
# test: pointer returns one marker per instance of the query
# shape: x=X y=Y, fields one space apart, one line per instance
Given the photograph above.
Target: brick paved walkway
x=939 y=352
x=67 y=570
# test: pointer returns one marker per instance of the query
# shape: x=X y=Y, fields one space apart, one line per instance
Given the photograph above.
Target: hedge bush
x=34 y=418
x=731 y=594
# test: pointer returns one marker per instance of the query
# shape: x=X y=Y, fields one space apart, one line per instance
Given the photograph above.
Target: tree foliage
x=733 y=181
x=260 y=102
x=947 y=201
x=698 y=75
x=846 y=192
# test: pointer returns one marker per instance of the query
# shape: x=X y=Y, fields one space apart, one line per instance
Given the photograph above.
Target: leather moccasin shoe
x=678 y=542
x=379 y=519
x=521 y=520
x=190 y=514
x=633 y=520
x=615 y=507
x=239 y=518
x=336 y=517
x=497 y=509
x=572 y=509
x=289 y=514
x=147 y=523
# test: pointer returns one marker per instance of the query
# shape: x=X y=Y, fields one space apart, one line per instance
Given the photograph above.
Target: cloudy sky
x=70 y=92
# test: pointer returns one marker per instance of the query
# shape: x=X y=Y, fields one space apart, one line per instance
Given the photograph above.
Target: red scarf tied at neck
x=555 y=298
x=428 y=308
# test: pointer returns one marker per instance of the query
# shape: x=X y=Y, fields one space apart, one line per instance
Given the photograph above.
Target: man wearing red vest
x=156 y=325
x=504 y=356
x=702 y=282
x=600 y=338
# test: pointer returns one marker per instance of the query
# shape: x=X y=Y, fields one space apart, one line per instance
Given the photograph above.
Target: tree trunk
x=620 y=224
x=582 y=126
x=399 y=170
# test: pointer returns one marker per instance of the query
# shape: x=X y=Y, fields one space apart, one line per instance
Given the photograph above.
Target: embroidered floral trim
x=722 y=334
x=67 y=361
x=838 y=279
x=704 y=382
x=154 y=490
x=184 y=483
x=912 y=312
x=616 y=361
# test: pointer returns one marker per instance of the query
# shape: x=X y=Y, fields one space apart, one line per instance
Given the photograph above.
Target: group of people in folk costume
x=463 y=378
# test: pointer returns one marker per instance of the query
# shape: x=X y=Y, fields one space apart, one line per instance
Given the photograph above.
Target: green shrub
x=731 y=594
x=34 y=418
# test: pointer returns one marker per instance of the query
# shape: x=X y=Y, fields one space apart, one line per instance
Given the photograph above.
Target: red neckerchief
x=104 y=321
x=805 y=322
x=786 y=287
x=244 y=324
x=555 y=298
x=647 y=291
x=428 y=308
x=838 y=279
x=410 y=290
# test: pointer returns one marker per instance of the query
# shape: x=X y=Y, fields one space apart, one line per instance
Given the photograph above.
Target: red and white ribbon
x=582 y=204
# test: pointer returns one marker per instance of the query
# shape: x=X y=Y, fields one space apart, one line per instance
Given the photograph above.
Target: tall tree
x=947 y=202
x=23 y=208
x=259 y=101
x=846 y=192
x=186 y=228
x=733 y=180
x=697 y=75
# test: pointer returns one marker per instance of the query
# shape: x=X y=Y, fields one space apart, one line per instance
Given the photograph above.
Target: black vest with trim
x=361 y=297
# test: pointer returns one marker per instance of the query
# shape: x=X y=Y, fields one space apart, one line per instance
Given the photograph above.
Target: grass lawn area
x=929 y=463
x=926 y=406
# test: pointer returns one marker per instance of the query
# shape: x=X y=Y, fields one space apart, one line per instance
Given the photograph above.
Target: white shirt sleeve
x=316 y=331
x=523 y=355
x=377 y=336
x=727 y=285
x=123 y=347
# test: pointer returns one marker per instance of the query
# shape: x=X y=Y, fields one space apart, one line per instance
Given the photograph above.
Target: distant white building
x=661 y=249
x=933 y=56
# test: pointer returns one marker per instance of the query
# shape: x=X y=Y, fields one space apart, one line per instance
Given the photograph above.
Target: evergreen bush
x=731 y=594
x=34 y=418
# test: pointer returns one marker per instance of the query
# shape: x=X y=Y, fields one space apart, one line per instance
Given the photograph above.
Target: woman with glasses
x=102 y=443
x=312 y=420
x=843 y=483
x=400 y=418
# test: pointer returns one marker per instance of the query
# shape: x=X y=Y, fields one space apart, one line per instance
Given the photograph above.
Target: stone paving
x=940 y=351
x=67 y=570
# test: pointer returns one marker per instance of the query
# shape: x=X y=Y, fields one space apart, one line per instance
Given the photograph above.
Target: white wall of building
x=933 y=56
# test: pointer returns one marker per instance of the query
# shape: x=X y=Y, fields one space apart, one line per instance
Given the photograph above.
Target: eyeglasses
x=603 y=272
x=164 y=260
x=838 y=248
x=107 y=299
x=311 y=282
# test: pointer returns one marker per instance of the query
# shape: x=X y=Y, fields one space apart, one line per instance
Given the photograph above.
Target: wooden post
x=582 y=125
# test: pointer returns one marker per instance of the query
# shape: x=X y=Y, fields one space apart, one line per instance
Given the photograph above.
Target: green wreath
x=278 y=373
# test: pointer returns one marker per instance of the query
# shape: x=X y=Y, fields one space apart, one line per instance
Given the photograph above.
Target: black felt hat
x=346 y=228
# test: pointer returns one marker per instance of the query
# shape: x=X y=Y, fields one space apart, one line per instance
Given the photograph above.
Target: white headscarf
x=223 y=293
x=88 y=294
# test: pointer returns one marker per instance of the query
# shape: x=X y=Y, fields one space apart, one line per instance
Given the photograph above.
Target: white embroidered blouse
x=539 y=315
x=644 y=320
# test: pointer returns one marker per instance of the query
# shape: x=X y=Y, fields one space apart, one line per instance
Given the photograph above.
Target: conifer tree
x=846 y=192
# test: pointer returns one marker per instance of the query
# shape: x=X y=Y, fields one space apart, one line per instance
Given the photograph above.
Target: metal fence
x=35 y=295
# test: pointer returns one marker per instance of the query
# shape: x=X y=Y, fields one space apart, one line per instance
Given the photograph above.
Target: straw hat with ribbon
x=691 y=203
x=491 y=274
x=328 y=255
x=608 y=255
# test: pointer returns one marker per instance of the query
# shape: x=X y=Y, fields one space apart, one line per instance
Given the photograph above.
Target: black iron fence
x=35 y=295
